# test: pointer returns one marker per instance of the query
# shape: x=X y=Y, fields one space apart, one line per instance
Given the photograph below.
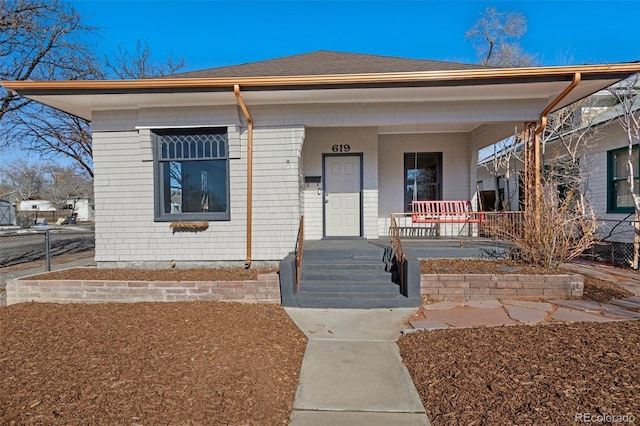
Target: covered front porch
x=355 y=179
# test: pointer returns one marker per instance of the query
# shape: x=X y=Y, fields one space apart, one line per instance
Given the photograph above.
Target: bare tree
x=138 y=65
x=41 y=40
x=65 y=183
x=569 y=225
x=25 y=180
x=46 y=181
x=46 y=40
x=495 y=37
x=570 y=133
x=51 y=133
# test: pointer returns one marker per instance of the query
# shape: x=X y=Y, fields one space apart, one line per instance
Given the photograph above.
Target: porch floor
x=432 y=248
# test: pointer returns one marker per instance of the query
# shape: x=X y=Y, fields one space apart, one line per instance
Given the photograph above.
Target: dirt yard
x=148 y=363
x=236 y=364
x=527 y=375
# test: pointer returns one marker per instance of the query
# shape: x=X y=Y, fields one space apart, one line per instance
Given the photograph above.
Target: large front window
x=422 y=177
x=192 y=174
x=619 y=198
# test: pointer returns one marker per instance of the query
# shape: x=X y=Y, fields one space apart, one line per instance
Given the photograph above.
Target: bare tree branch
x=138 y=65
x=41 y=40
x=52 y=133
x=495 y=37
x=46 y=40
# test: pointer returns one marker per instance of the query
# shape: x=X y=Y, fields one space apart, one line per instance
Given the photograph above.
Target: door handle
x=326 y=197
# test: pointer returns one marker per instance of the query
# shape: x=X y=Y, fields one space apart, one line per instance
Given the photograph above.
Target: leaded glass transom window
x=192 y=174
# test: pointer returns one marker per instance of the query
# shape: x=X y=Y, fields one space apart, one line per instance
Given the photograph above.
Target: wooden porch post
x=531 y=178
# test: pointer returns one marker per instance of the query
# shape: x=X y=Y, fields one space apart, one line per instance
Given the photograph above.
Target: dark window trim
x=158 y=175
x=407 y=207
x=611 y=181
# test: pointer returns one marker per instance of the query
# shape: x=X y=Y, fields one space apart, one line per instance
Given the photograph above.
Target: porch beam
x=577 y=77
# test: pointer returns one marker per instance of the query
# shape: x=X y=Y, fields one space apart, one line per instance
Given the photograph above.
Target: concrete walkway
x=352 y=373
x=492 y=313
x=509 y=312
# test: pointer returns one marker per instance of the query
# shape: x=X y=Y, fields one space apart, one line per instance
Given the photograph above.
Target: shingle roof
x=324 y=62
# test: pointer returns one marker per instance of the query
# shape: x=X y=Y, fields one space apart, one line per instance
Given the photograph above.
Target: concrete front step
x=360 y=255
x=356 y=301
x=346 y=276
x=347 y=265
x=321 y=286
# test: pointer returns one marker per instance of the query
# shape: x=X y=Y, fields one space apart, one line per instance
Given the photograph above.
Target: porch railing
x=495 y=225
x=502 y=225
x=398 y=250
x=441 y=230
x=299 y=252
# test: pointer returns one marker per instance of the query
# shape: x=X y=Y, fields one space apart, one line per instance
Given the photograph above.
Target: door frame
x=324 y=189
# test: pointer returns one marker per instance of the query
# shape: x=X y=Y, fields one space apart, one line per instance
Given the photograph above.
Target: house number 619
x=341 y=148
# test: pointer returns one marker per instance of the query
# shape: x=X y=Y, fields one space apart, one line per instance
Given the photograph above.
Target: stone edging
x=266 y=289
x=495 y=286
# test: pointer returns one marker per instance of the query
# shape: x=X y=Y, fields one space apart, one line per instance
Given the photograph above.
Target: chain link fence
x=31 y=251
x=615 y=244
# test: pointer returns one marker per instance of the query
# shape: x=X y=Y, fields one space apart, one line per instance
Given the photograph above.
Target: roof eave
x=481 y=76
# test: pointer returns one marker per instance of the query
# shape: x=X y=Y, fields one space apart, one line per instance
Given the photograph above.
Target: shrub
x=555 y=231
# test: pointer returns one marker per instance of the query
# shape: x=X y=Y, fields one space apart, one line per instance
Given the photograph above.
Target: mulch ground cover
x=148 y=363
x=533 y=375
x=476 y=266
x=603 y=291
x=236 y=364
x=177 y=274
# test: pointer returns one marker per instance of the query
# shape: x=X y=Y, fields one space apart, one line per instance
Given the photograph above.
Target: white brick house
x=335 y=137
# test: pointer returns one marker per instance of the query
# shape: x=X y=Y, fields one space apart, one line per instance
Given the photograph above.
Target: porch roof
x=425 y=81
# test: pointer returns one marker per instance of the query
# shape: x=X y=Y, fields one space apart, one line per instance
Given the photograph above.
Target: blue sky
x=217 y=33
x=210 y=33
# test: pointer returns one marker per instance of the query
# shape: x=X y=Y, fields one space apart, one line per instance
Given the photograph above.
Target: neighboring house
x=341 y=139
x=608 y=189
x=603 y=164
x=35 y=206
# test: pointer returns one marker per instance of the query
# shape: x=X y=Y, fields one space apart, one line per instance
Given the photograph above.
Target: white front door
x=342 y=196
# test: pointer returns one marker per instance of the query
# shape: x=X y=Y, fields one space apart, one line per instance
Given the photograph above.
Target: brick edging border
x=496 y=286
x=266 y=289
